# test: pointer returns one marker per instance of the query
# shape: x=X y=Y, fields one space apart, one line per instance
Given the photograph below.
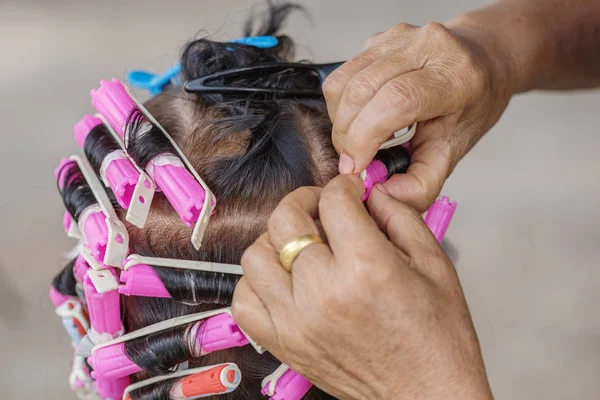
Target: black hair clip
x=319 y=71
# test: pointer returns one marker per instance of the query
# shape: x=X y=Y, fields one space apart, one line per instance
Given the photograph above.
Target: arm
x=553 y=44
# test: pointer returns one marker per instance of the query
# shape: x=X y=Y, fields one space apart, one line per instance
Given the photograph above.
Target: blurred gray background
x=526 y=226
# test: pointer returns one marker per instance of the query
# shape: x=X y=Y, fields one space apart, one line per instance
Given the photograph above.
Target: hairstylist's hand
x=364 y=316
x=454 y=81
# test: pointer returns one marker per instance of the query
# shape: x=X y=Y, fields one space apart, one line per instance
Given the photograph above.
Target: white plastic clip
x=272 y=379
x=141 y=200
x=400 y=137
x=135 y=259
x=118 y=238
x=103 y=280
x=72 y=309
x=209 y=201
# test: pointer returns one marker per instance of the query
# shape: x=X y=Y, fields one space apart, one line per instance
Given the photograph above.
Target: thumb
x=431 y=163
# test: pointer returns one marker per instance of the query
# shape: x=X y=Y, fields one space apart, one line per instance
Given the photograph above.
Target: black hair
x=197 y=287
x=98 y=144
x=158 y=353
x=76 y=193
x=251 y=150
x=64 y=282
x=395 y=159
x=145 y=141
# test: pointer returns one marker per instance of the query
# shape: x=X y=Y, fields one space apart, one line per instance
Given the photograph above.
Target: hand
x=455 y=81
x=366 y=316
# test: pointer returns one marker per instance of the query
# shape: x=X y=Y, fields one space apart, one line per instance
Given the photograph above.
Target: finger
x=350 y=230
x=408 y=232
x=431 y=164
x=374 y=40
x=365 y=85
x=252 y=316
x=333 y=87
x=404 y=226
x=263 y=273
x=293 y=218
x=415 y=96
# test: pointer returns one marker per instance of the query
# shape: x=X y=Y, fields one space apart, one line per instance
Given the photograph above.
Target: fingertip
x=409 y=189
x=346 y=164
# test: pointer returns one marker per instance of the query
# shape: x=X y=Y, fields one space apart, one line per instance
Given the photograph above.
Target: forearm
x=541 y=44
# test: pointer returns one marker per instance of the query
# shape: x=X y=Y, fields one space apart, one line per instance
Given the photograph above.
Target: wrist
x=509 y=42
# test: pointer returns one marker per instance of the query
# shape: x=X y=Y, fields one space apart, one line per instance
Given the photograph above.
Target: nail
x=346 y=165
x=382 y=188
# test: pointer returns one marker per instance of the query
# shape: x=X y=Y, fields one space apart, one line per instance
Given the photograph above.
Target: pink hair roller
x=67 y=221
x=290 y=386
x=182 y=190
x=58 y=298
x=80 y=268
x=119 y=173
x=104 y=308
x=111 y=362
x=215 y=333
x=141 y=280
x=179 y=187
x=60 y=173
x=92 y=221
x=439 y=216
x=219 y=333
x=114 y=103
x=376 y=172
x=95 y=231
x=112 y=389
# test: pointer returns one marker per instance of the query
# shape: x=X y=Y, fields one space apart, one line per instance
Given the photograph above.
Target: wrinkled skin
x=382 y=318
x=453 y=80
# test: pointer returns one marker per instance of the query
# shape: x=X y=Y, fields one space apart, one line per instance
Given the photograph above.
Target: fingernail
x=382 y=188
x=346 y=165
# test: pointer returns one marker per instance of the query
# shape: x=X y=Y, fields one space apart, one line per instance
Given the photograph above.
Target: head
x=251 y=151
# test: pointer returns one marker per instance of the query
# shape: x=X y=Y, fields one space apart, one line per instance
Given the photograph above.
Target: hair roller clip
x=178 y=185
x=80 y=267
x=140 y=279
x=439 y=216
x=106 y=239
x=151 y=82
x=104 y=305
x=72 y=314
x=376 y=172
x=285 y=384
x=110 y=361
x=196 y=383
x=175 y=176
x=114 y=103
x=117 y=170
x=81 y=381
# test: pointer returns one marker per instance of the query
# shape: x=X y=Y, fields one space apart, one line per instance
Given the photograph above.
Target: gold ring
x=290 y=251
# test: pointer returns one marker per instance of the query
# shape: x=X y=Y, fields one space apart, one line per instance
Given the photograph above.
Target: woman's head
x=251 y=151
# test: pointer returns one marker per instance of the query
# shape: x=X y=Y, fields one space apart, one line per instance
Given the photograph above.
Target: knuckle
x=334 y=84
x=359 y=90
x=399 y=29
x=252 y=256
x=437 y=31
x=402 y=96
